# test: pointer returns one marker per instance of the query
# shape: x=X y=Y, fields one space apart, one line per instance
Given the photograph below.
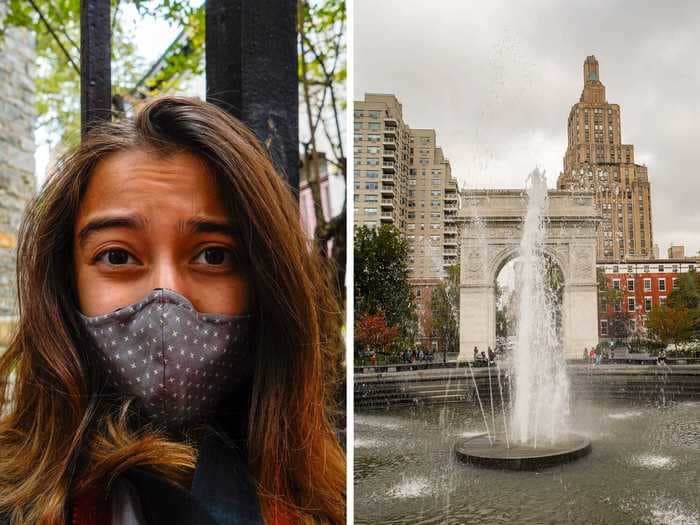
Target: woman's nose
x=167 y=275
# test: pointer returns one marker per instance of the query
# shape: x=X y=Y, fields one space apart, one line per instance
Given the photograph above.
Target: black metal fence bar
x=251 y=72
x=95 y=63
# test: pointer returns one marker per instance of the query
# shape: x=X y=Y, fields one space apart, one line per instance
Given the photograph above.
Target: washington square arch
x=491 y=222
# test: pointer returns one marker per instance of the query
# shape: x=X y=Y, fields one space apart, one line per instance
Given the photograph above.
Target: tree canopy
x=381 y=279
x=56 y=26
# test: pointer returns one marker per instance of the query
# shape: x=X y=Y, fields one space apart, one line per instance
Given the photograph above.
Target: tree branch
x=311 y=161
x=54 y=35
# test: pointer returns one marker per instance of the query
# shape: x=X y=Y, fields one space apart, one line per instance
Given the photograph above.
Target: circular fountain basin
x=479 y=451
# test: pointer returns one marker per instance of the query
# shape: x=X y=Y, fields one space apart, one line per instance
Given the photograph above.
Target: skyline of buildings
x=596 y=160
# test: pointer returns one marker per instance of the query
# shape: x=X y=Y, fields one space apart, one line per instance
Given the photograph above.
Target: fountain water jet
x=540 y=384
x=539 y=434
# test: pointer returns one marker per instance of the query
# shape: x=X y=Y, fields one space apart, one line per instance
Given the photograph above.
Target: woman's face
x=146 y=222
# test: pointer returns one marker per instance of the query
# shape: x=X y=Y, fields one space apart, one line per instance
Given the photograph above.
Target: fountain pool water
x=645 y=469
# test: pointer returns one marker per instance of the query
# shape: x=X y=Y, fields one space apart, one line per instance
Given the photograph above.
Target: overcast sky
x=497 y=81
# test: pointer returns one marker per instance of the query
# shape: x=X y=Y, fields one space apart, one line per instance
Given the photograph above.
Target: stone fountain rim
x=535 y=461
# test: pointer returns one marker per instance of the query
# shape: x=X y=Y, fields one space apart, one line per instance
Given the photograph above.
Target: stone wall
x=17 y=182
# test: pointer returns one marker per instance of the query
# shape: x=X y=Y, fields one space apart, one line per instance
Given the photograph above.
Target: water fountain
x=644 y=422
x=538 y=433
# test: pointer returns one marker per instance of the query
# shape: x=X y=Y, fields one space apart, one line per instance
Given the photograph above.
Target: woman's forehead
x=143 y=181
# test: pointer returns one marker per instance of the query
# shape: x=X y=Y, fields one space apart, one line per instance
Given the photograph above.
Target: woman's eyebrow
x=207 y=225
x=97 y=224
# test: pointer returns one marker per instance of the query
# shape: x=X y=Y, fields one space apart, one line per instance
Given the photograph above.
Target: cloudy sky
x=497 y=81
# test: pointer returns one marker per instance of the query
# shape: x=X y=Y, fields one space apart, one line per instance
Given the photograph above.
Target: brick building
x=644 y=284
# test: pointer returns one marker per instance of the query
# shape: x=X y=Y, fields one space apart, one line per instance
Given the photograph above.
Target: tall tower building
x=402 y=178
x=596 y=160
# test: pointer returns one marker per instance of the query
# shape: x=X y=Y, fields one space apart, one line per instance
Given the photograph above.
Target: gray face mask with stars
x=179 y=362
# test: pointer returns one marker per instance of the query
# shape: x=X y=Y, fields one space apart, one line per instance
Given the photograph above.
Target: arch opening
x=507 y=297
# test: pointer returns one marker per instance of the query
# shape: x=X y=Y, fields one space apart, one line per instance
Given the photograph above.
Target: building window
x=370 y=211
x=630 y=285
x=661 y=267
x=633 y=326
x=616 y=284
x=618 y=305
x=604 y=327
x=371 y=185
x=647 y=285
x=675 y=283
x=647 y=304
x=662 y=300
x=630 y=304
x=662 y=285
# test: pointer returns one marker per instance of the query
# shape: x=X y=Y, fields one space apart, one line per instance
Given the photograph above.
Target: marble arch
x=490 y=224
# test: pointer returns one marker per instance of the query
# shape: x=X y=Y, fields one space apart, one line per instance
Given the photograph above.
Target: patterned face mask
x=179 y=362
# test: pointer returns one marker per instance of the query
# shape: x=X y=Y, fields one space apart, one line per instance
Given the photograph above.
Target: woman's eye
x=214 y=256
x=114 y=257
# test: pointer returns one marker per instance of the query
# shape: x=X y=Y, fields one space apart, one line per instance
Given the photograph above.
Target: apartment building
x=403 y=178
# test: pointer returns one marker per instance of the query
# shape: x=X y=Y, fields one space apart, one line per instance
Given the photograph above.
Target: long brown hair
x=61 y=430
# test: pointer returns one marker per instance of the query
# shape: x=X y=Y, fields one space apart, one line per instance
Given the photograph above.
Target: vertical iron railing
x=251 y=70
x=251 y=54
x=95 y=63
